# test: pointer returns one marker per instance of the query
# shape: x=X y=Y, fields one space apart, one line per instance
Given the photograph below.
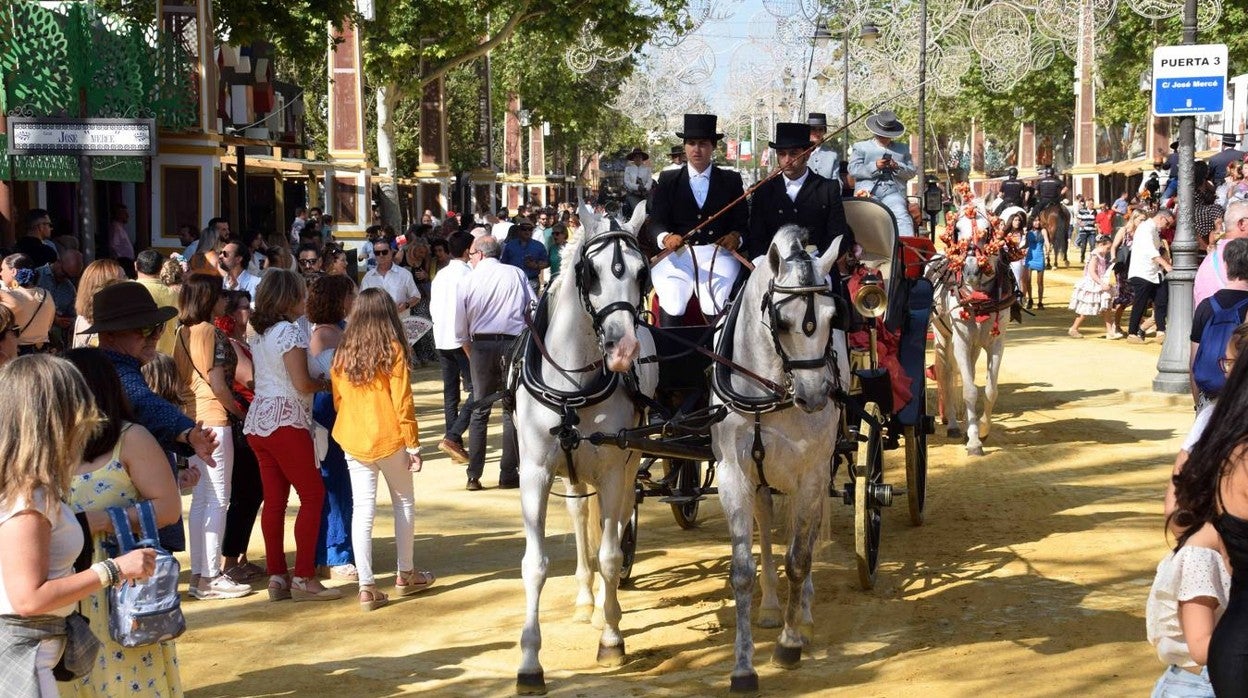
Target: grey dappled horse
x=781 y=329
x=589 y=341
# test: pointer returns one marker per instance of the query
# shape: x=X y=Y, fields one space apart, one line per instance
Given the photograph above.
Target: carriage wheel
x=688 y=484
x=628 y=545
x=868 y=474
x=916 y=464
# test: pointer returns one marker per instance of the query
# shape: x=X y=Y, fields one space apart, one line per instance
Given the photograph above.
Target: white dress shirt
x=637 y=178
x=700 y=183
x=444 y=308
x=1145 y=249
x=493 y=300
x=397 y=282
x=793 y=186
x=246 y=282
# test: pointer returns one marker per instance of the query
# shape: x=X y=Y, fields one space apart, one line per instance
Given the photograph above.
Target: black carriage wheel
x=628 y=545
x=688 y=484
x=868 y=475
x=916 y=464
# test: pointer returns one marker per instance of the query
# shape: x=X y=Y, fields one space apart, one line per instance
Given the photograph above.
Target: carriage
x=892 y=307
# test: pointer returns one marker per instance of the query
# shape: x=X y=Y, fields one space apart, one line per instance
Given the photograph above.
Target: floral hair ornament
x=25 y=277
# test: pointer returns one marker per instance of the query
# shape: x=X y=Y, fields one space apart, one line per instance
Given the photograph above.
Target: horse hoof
x=744 y=684
x=954 y=433
x=787 y=657
x=530 y=684
x=611 y=656
x=769 y=618
x=974 y=450
x=583 y=614
x=807 y=631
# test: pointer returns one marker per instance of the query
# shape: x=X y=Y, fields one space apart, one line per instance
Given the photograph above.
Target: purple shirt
x=1211 y=276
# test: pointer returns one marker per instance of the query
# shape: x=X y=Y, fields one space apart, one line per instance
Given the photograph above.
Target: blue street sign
x=1184 y=96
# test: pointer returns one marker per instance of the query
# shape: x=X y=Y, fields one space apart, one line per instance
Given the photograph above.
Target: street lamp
x=933 y=202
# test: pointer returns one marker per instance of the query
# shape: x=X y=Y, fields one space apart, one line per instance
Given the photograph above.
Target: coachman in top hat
x=799 y=196
x=703 y=266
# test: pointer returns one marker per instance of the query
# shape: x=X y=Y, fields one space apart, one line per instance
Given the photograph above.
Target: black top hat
x=1174 y=145
x=885 y=125
x=677 y=151
x=637 y=151
x=700 y=126
x=126 y=306
x=817 y=120
x=791 y=136
x=1229 y=139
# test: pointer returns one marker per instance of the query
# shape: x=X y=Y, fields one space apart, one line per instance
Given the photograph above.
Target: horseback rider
x=823 y=161
x=1050 y=190
x=881 y=167
x=1013 y=191
x=706 y=264
x=637 y=179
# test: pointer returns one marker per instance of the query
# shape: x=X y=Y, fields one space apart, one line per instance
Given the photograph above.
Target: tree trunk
x=387 y=100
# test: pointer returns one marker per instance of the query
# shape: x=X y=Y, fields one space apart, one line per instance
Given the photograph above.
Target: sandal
x=1074 y=333
x=244 y=573
x=279 y=587
x=414 y=582
x=371 y=599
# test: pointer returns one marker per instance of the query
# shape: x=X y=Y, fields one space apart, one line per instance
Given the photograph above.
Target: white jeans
x=364 y=509
x=209 y=500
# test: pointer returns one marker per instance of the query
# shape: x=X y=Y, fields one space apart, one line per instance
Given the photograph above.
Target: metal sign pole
x=1174 y=365
x=86 y=208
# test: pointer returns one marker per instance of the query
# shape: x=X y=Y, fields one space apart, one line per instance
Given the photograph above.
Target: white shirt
x=1182 y=576
x=493 y=300
x=63 y=548
x=277 y=403
x=637 y=177
x=246 y=282
x=793 y=186
x=397 y=282
x=700 y=183
x=500 y=230
x=1145 y=244
x=444 y=303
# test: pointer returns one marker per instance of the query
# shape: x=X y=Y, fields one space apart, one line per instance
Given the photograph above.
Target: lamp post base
x=1174 y=383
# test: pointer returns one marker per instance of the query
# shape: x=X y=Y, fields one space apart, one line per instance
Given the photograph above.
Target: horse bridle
x=586 y=275
x=809 y=325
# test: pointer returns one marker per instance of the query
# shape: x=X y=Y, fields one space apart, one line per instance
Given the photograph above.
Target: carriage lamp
x=933 y=202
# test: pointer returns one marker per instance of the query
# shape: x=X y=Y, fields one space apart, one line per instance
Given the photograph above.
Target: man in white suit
x=881 y=167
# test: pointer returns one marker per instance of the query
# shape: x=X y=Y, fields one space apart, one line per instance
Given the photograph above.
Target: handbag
x=1122 y=258
x=150 y=611
x=81 y=649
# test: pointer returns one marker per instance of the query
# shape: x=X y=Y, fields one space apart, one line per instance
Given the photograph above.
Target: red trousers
x=287 y=458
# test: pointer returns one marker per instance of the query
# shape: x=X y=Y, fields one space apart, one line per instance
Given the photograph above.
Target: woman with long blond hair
x=377 y=429
x=97 y=275
x=49 y=417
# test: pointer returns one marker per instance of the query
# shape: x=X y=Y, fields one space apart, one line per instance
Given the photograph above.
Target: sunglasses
x=152 y=330
x=308 y=262
x=382 y=253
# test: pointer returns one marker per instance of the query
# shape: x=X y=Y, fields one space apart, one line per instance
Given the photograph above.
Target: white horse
x=578 y=374
x=780 y=330
x=968 y=304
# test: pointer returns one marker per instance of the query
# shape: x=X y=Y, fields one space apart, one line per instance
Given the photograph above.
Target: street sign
x=1189 y=80
x=52 y=136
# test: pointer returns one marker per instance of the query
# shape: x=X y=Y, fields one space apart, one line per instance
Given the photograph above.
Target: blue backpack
x=1206 y=372
x=150 y=611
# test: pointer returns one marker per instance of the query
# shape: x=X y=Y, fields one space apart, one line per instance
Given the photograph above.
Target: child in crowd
x=376 y=427
x=1095 y=291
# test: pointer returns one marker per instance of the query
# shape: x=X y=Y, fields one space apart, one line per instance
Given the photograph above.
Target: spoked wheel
x=628 y=544
x=868 y=489
x=688 y=484
x=916 y=463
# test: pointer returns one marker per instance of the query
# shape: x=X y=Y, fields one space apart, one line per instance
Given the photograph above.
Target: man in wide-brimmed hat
x=683 y=199
x=799 y=196
x=881 y=167
x=1218 y=163
x=129 y=323
x=637 y=179
x=823 y=161
x=677 y=156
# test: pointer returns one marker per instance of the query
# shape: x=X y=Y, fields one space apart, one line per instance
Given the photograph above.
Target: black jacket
x=1013 y=192
x=818 y=209
x=674 y=210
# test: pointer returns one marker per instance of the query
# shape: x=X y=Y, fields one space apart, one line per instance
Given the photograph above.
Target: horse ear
x=773 y=258
x=830 y=255
x=639 y=217
x=589 y=219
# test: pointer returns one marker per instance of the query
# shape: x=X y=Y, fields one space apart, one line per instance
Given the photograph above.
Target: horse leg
x=736 y=496
x=769 y=609
x=944 y=383
x=615 y=495
x=586 y=557
x=967 y=349
x=996 y=350
x=806 y=518
x=534 y=492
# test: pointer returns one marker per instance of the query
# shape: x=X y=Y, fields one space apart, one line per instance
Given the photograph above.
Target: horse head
x=800 y=306
x=613 y=278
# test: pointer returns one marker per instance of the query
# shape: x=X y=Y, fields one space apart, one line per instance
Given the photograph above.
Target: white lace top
x=277 y=403
x=1190 y=573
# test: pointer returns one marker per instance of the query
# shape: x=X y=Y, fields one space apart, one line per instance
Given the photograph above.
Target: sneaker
x=221 y=588
x=347 y=572
x=474 y=485
x=455 y=450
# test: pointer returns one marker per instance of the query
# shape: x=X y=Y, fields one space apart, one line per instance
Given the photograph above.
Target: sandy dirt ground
x=1029 y=578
